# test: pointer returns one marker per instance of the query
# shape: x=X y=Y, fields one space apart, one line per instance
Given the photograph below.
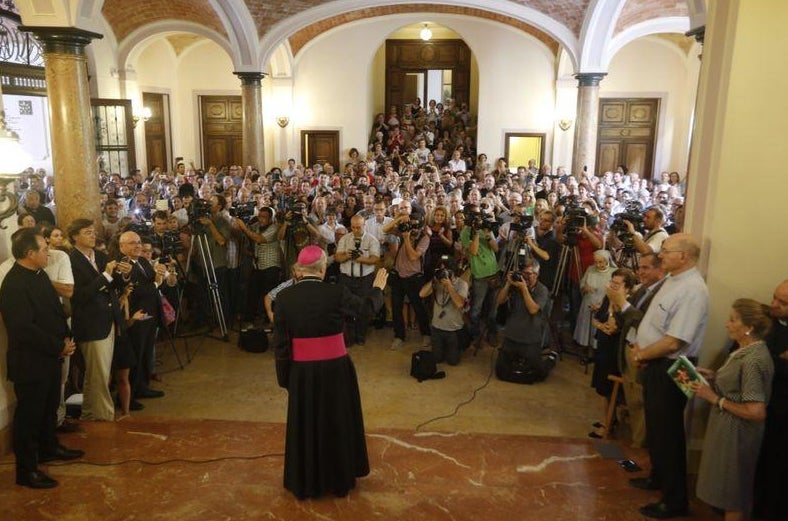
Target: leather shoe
x=35 y=479
x=664 y=511
x=68 y=426
x=135 y=406
x=149 y=393
x=644 y=483
x=61 y=453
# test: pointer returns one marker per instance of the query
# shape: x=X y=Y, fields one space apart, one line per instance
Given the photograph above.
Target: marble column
x=584 y=152
x=252 y=99
x=71 y=122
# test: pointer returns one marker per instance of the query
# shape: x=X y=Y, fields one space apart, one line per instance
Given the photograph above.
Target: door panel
x=222 y=130
x=627 y=134
x=156 y=131
x=320 y=146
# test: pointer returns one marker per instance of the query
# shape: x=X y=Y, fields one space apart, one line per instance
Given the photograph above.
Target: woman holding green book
x=739 y=392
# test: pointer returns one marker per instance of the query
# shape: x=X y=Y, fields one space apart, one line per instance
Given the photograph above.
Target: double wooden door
x=222 y=130
x=320 y=146
x=626 y=134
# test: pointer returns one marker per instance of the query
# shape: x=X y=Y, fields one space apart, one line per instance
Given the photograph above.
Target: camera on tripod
x=632 y=213
x=142 y=228
x=576 y=218
x=521 y=222
x=517 y=264
x=243 y=211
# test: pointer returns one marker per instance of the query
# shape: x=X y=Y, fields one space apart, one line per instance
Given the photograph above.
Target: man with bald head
x=358 y=253
x=137 y=271
x=771 y=478
x=673 y=325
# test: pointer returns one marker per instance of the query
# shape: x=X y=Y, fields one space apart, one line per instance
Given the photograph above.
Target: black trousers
x=260 y=283
x=35 y=420
x=409 y=286
x=143 y=339
x=361 y=287
x=663 y=404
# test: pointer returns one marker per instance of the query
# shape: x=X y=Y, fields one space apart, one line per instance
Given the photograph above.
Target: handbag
x=167 y=311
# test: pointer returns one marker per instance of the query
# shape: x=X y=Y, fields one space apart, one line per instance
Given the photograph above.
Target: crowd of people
x=470 y=248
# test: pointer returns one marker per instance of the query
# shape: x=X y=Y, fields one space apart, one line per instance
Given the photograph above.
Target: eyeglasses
x=663 y=250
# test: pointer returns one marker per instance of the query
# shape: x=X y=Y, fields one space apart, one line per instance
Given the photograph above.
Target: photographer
x=407 y=278
x=297 y=230
x=478 y=241
x=449 y=293
x=527 y=299
x=267 y=270
x=357 y=255
x=517 y=233
x=651 y=242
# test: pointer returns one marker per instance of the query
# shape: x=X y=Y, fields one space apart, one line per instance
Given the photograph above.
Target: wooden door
x=222 y=130
x=157 y=149
x=320 y=146
x=627 y=134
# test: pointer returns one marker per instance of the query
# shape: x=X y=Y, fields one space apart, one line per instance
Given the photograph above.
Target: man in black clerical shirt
x=38 y=339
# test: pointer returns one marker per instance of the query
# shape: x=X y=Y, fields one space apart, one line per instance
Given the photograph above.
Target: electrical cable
x=469 y=400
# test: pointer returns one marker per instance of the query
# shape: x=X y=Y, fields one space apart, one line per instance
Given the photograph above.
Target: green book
x=684 y=373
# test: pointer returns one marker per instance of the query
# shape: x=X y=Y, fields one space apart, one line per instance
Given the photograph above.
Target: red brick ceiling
x=125 y=16
x=638 y=11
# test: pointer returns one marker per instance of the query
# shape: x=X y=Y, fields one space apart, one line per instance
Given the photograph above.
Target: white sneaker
x=426 y=340
x=396 y=344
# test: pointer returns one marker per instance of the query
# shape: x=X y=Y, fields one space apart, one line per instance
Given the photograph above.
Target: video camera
x=480 y=221
x=244 y=211
x=142 y=228
x=521 y=222
x=575 y=218
x=632 y=213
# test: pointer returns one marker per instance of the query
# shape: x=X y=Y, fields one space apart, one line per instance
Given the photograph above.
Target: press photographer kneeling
x=520 y=359
x=449 y=293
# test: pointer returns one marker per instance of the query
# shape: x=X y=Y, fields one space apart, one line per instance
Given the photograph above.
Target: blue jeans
x=482 y=299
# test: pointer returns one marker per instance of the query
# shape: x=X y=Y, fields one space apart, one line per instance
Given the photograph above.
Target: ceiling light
x=425 y=33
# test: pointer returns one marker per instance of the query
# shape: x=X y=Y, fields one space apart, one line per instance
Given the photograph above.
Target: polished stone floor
x=465 y=447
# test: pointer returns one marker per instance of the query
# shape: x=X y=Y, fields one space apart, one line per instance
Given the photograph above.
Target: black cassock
x=325 y=448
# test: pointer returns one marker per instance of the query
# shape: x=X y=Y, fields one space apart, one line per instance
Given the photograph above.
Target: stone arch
x=130 y=44
x=527 y=15
x=630 y=34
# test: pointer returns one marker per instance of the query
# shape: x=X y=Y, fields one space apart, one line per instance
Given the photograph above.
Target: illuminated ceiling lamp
x=425 y=33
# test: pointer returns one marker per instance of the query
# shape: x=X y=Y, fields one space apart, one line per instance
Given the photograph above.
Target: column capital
x=589 y=79
x=62 y=40
x=698 y=33
x=250 y=78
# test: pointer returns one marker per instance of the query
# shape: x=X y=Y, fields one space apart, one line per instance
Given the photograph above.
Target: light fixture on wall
x=143 y=115
x=13 y=160
x=565 y=124
x=282 y=121
x=425 y=33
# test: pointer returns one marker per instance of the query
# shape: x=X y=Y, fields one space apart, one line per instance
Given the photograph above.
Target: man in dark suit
x=628 y=315
x=94 y=317
x=38 y=339
x=136 y=270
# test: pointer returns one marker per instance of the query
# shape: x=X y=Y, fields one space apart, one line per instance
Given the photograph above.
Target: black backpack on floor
x=253 y=340
x=423 y=366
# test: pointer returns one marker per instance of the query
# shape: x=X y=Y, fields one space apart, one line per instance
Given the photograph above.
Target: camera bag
x=423 y=366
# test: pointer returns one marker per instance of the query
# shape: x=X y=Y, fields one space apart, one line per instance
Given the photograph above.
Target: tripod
x=569 y=255
x=212 y=283
x=627 y=258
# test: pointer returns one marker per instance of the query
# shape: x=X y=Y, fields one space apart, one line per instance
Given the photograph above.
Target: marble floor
x=465 y=447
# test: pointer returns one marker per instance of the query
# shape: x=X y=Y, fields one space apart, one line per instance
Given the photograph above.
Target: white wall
x=654 y=68
x=204 y=68
x=333 y=87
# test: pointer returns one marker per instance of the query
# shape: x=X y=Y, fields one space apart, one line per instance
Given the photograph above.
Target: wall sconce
x=565 y=124
x=143 y=115
x=13 y=160
x=425 y=33
x=282 y=121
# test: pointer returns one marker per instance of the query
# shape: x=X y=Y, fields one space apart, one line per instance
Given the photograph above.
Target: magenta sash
x=319 y=348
